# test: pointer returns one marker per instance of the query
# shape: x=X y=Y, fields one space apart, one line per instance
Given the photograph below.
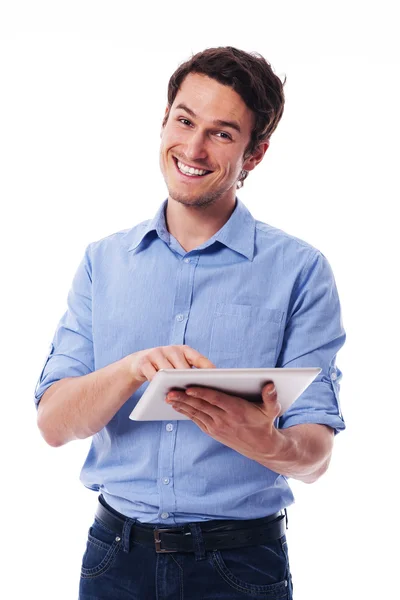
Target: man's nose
x=196 y=147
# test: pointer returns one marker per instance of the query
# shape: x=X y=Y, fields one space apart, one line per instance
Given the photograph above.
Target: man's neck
x=192 y=226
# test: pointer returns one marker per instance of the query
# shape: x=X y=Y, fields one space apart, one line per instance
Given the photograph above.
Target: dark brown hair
x=250 y=75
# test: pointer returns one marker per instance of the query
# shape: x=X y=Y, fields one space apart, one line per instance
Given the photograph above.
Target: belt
x=217 y=535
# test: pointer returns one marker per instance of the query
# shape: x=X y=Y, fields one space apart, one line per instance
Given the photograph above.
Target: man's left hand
x=247 y=427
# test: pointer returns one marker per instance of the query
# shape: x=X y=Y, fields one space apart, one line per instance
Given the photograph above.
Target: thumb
x=270 y=399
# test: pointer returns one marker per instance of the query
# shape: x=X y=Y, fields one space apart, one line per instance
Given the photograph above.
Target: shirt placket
x=169 y=431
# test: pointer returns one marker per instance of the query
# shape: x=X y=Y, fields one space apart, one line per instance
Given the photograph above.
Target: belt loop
x=198 y=541
x=287 y=520
x=126 y=533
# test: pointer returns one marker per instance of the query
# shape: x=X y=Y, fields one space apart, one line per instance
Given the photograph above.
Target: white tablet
x=245 y=383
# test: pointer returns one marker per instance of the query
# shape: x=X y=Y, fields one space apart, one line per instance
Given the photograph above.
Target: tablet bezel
x=290 y=384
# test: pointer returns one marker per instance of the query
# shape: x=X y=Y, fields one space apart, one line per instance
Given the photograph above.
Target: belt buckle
x=157 y=540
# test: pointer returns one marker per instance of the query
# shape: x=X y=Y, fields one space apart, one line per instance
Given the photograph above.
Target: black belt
x=217 y=535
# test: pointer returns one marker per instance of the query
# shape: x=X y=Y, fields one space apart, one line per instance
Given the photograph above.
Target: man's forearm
x=78 y=407
x=302 y=452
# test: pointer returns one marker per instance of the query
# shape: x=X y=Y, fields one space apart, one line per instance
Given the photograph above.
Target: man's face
x=208 y=128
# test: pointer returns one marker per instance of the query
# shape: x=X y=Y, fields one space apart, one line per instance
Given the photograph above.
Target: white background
x=83 y=92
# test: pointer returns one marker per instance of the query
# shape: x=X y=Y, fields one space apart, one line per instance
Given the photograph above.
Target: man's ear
x=252 y=161
x=164 y=120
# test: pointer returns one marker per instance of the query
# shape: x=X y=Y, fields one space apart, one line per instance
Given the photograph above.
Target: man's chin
x=193 y=200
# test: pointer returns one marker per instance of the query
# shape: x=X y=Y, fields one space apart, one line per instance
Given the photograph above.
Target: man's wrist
x=280 y=449
x=301 y=452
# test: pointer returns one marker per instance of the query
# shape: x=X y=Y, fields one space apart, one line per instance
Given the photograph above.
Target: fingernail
x=271 y=391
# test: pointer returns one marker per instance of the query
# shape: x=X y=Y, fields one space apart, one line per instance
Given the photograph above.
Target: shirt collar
x=238 y=233
x=136 y=235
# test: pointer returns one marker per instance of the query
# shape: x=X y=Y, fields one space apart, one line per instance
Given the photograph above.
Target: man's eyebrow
x=219 y=122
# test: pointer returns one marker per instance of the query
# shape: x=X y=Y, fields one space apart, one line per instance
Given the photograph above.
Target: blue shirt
x=251 y=296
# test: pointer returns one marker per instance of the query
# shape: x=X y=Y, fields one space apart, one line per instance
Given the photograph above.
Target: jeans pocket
x=102 y=548
x=256 y=571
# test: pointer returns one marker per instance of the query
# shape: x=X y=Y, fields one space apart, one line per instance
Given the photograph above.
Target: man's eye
x=185 y=121
x=226 y=135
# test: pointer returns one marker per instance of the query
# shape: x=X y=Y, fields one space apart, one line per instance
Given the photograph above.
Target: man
x=202 y=284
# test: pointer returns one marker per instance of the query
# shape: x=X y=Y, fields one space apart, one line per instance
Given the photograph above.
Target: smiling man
x=196 y=508
x=202 y=156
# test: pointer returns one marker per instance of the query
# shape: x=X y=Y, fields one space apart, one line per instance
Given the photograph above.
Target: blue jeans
x=115 y=569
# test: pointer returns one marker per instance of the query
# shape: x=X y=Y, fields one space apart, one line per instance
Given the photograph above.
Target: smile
x=190 y=171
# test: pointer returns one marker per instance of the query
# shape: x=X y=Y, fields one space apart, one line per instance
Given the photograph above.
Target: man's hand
x=247 y=427
x=145 y=363
x=79 y=407
x=301 y=451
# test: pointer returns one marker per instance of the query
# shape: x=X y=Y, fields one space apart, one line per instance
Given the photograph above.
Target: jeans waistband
x=210 y=535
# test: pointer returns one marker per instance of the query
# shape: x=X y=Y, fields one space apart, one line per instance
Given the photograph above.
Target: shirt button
x=334 y=376
x=169 y=427
x=164 y=515
x=165 y=480
x=186 y=260
x=179 y=317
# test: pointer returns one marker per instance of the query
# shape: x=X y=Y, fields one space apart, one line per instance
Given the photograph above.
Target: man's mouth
x=190 y=171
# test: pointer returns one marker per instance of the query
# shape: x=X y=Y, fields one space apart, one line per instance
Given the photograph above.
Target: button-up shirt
x=251 y=296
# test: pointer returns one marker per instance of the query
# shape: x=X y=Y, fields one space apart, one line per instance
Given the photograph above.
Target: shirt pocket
x=245 y=336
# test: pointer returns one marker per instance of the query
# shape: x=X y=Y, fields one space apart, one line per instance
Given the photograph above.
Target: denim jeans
x=114 y=568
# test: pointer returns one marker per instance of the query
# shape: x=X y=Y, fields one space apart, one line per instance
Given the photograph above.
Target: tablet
x=245 y=383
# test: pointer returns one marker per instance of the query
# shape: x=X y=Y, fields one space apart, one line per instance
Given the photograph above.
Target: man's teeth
x=190 y=170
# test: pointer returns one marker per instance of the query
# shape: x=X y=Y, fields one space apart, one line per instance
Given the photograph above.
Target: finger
x=269 y=389
x=196 y=359
x=192 y=403
x=203 y=420
x=218 y=399
x=270 y=399
x=176 y=357
x=148 y=370
x=152 y=363
x=159 y=360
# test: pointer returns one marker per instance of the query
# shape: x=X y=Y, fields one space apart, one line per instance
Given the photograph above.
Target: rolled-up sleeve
x=71 y=351
x=313 y=336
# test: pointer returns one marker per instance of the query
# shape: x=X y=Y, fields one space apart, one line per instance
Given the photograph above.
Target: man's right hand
x=78 y=407
x=146 y=363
